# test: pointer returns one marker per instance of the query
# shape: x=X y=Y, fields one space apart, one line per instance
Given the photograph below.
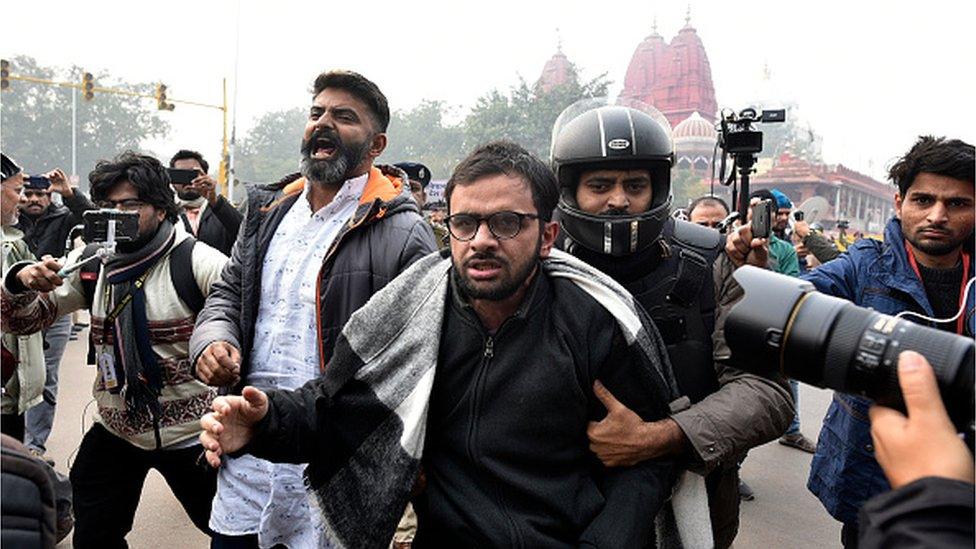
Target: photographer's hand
x=925 y=443
x=60 y=184
x=742 y=248
x=206 y=186
x=801 y=229
x=41 y=276
x=219 y=364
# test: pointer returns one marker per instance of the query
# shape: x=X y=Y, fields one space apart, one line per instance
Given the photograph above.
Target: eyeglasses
x=126 y=204
x=503 y=225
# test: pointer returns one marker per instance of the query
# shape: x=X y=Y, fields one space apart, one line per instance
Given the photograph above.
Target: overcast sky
x=868 y=76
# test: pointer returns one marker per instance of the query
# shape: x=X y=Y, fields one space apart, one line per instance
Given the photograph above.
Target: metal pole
x=74 y=131
x=224 y=173
x=231 y=159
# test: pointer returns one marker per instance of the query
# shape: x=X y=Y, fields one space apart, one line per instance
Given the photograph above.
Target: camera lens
x=783 y=326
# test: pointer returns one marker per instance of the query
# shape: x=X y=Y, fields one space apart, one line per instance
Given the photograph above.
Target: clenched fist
x=219 y=364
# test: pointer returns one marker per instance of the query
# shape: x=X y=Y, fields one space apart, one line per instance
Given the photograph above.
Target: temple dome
x=695 y=127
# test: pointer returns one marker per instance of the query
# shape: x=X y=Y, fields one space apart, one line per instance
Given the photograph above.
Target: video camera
x=738 y=138
x=783 y=326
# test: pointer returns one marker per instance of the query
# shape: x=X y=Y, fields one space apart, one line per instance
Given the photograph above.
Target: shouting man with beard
x=313 y=248
x=480 y=369
x=923 y=266
x=144 y=387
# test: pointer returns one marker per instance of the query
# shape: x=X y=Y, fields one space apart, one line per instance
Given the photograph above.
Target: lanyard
x=960 y=323
x=120 y=306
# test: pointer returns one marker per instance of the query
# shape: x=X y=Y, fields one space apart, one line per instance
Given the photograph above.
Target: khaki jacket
x=26 y=387
x=747 y=411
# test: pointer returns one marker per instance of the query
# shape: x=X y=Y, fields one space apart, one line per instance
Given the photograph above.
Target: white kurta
x=255 y=496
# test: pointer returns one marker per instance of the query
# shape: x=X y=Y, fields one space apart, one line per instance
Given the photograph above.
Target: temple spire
x=688 y=16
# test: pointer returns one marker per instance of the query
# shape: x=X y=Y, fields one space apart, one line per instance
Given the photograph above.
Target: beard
x=935 y=248
x=33 y=210
x=332 y=171
x=615 y=212
x=141 y=240
x=500 y=289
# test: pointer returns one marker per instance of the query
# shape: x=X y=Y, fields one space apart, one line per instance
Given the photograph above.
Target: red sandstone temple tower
x=558 y=71
x=674 y=78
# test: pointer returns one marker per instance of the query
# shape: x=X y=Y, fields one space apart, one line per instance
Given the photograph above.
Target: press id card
x=106 y=365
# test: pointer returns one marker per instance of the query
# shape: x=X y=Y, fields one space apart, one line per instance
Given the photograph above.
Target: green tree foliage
x=526 y=114
x=423 y=135
x=272 y=149
x=36 y=119
x=687 y=185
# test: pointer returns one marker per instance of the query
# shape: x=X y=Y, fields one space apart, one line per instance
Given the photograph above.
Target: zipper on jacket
x=487 y=355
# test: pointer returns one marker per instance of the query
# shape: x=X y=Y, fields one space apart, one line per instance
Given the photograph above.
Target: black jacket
x=218 y=227
x=384 y=236
x=675 y=281
x=48 y=233
x=930 y=512
x=507 y=460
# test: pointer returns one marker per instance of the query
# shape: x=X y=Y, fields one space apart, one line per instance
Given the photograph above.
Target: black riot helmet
x=592 y=135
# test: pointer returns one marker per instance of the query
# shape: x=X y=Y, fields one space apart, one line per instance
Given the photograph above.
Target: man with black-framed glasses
x=147 y=395
x=480 y=368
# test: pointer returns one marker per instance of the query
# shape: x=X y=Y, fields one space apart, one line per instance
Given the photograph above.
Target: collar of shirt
x=350 y=191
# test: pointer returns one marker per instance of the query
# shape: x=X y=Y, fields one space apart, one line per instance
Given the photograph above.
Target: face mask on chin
x=188 y=196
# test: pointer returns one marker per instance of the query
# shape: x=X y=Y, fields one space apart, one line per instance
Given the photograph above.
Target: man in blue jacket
x=923 y=267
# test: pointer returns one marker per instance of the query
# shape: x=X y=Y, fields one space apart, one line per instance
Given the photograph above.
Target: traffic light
x=4 y=75
x=161 y=102
x=88 y=86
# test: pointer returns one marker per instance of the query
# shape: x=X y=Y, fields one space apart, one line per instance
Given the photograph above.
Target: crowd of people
x=544 y=366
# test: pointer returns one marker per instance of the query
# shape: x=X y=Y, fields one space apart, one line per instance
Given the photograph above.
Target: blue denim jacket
x=877 y=275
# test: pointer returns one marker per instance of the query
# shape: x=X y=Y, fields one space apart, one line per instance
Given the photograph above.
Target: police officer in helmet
x=613 y=164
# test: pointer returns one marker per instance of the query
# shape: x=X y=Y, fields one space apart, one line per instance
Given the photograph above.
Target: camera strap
x=120 y=306
x=966 y=262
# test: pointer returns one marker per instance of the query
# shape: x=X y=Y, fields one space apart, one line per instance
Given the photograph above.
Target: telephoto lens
x=783 y=326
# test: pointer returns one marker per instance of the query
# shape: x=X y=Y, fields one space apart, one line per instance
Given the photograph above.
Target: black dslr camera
x=783 y=326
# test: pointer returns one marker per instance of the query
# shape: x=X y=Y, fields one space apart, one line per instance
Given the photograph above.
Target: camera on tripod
x=737 y=136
